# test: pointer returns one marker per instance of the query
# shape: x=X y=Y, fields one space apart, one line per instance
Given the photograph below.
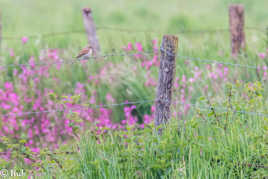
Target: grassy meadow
x=57 y=115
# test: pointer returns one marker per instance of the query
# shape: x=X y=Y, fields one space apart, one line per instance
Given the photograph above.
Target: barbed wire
x=127 y=54
x=208 y=61
x=177 y=32
x=124 y=53
x=197 y=31
x=73 y=60
x=90 y=106
x=221 y=109
x=133 y=54
x=146 y=101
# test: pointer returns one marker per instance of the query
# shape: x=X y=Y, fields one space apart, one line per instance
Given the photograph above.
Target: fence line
x=72 y=61
x=146 y=101
x=135 y=102
x=198 y=31
x=217 y=62
x=178 y=32
x=211 y=61
x=93 y=106
x=220 y=109
x=122 y=53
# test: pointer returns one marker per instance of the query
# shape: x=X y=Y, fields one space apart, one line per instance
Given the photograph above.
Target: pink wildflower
x=264 y=68
x=110 y=98
x=176 y=84
x=9 y=86
x=27 y=161
x=139 y=47
x=31 y=62
x=153 y=109
x=24 y=40
x=183 y=79
x=11 y=53
x=35 y=150
x=262 y=55
x=155 y=46
x=129 y=46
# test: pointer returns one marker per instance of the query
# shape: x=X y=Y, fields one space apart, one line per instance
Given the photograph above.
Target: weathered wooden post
x=0 y=31
x=267 y=37
x=167 y=68
x=236 y=23
x=91 y=30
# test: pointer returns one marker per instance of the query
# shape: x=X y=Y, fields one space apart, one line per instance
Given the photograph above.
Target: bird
x=85 y=53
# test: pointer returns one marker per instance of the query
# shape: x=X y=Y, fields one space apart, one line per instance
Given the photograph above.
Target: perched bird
x=85 y=53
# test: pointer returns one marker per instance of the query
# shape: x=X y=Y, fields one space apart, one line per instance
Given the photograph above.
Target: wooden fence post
x=267 y=37
x=167 y=68
x=236 y=23
x=91 y=30
x=0 y=31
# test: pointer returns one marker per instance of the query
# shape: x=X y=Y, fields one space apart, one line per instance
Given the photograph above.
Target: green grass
x=231 y=145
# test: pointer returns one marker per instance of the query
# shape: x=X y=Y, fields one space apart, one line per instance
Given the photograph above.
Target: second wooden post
x=91 y=30
x=0 y=31
x=267 y=37
x=236 y=23
x=168 y=50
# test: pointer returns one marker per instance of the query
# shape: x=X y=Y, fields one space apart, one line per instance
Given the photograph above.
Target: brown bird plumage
x=85 y=53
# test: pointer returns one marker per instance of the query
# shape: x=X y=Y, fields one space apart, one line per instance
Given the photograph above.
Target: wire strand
x=123 y=53
x=93 y=106
x=146 y=101
x=197 y=31
x=71 y=61
x=217 y=62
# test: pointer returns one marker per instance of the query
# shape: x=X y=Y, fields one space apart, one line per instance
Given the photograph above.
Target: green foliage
x=222 y=142
x=214 y=144
x=46 y=163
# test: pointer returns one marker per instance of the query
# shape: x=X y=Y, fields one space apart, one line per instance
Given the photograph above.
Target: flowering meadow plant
x=44 y=106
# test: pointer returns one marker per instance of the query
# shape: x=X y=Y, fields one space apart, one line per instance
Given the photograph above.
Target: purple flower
x=262 y=55
x=11 y=53
x=35 y=150
x=139 y=47
x=24 y=40
x=27 y=161
x=9 y=86
x=129 y=46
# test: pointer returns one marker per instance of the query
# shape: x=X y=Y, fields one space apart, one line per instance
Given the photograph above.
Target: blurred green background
x=25 y=17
